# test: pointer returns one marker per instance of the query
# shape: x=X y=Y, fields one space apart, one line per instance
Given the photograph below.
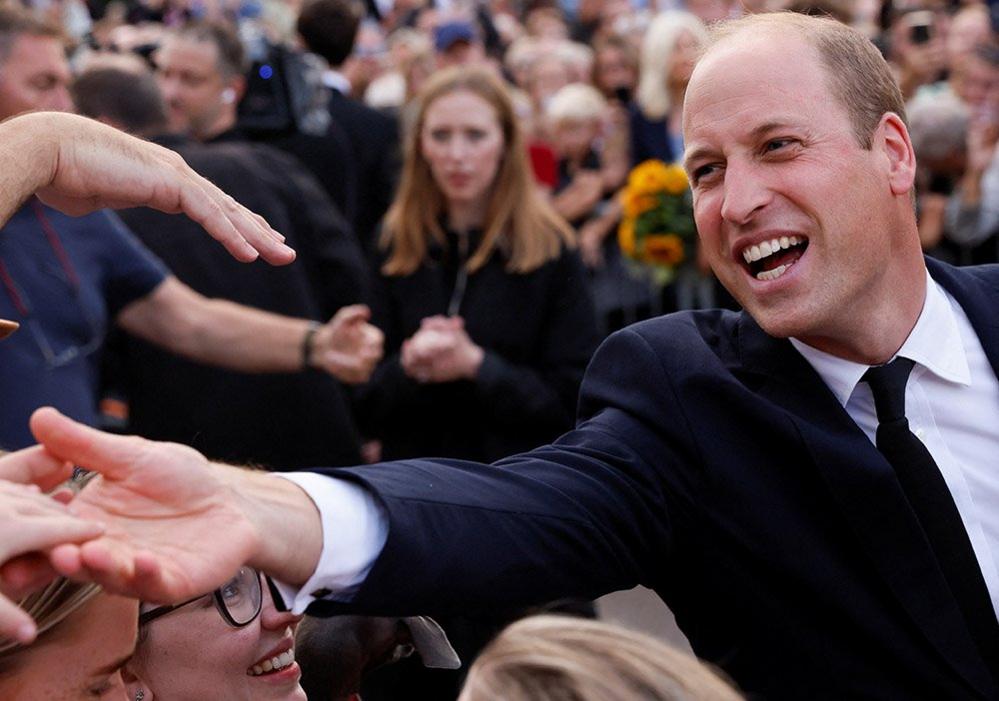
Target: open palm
x=173 y=529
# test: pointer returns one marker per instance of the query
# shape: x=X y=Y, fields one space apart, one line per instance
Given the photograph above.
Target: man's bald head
x=857 y=74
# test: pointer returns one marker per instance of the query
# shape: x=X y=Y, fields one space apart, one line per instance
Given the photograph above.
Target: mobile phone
x=920 y=26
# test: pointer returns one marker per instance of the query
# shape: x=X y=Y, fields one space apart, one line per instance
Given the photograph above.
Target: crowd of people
x=450 y=176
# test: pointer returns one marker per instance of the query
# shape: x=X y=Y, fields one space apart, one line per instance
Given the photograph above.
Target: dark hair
x=15 y=23
x=131 y=100
x=231 y=56
x=329 y=28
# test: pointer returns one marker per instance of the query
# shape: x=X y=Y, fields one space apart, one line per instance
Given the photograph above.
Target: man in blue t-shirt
x=66 y=280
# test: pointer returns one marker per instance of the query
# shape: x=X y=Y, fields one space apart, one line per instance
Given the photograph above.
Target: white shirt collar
x=335 y=80
x=934 y=343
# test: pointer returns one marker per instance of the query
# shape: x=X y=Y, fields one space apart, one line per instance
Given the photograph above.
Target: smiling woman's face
x=79 y=660
x=191 y=654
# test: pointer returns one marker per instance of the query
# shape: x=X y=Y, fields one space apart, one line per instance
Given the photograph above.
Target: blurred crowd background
x=598 y=87
x=306 y=110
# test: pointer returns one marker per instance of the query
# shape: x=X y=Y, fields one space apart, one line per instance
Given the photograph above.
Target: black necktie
x=931 y=500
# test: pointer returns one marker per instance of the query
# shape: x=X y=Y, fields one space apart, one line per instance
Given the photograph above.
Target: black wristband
x=307 y=344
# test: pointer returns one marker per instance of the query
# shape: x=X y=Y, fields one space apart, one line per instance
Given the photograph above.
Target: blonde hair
x=576 y=102
x=656 y=60
x=577 y=57
x=49 y=607
x=557 y=658
x=518 y=220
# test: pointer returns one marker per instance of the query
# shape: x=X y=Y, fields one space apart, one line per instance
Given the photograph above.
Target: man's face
x=193 y=88
x=35 y=76
x=772 y=158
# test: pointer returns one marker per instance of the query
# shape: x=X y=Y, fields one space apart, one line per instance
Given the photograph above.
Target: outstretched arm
x=78 y=165
x=237 y=337
x=176 y=525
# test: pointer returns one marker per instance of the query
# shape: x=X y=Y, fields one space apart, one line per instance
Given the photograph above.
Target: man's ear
x=892 y=139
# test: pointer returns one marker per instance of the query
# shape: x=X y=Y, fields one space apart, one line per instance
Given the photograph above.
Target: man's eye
x=776 y=145
x=702 y=172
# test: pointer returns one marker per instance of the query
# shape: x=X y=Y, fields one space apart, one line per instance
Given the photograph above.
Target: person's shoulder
x=344 y=106
x=946 y=273
x=702 y=330
x=985 y=273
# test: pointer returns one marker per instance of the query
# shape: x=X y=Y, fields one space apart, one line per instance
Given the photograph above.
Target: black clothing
x=276 y=420
x=374 y=138
x=330 y=159
x=711 y=463
x=538 y=331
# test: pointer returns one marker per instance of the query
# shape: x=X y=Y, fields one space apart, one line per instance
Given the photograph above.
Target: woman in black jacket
x=483 y=299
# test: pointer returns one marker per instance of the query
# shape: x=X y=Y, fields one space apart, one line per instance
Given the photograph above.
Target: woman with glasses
x=230 y=645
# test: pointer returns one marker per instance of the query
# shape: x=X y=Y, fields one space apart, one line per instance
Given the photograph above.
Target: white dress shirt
x=952 y=404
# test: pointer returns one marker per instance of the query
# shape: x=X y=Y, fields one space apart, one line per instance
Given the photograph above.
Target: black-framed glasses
x=238 y=601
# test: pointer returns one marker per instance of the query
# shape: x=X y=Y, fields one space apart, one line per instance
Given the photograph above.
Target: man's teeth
x=273 y=664
x=772 y=274
x=767 y=248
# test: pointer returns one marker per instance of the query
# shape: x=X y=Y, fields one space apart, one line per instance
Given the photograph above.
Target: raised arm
x=176 y=525
x=78 y=165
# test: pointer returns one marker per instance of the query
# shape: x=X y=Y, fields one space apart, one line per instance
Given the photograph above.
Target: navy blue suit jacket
x=712 y=464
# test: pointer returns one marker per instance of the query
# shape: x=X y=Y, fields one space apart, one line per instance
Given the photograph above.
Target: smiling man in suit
x=757 y=469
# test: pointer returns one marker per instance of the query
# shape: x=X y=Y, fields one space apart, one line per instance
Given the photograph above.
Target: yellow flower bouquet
x=657 y=230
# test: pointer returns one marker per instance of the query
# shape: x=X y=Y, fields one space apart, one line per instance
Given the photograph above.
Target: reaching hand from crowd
x=441 y=351
x=86 y=165
x=348 y=347
x=176 y=526
x=32 y=523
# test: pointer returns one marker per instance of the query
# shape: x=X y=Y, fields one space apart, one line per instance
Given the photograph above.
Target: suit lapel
x=867 y=491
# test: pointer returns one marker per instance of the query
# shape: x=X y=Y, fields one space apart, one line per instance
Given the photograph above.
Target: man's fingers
x=351 y=314
x=25 y=574
x=68 y=440
x=65 y=559
x=15 y=623
x=35 y=466
x=346 y=367
x=46 y=532
x=242 y=233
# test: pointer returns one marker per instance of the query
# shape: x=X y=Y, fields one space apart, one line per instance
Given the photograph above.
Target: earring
x=139 y=695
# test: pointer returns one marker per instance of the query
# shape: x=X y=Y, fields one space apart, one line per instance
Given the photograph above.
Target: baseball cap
x=448 y=34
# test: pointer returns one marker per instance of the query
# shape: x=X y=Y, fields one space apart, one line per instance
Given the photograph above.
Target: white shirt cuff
x=355 y=528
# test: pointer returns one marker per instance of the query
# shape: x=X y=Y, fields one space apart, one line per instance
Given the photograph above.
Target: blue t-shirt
x=54 y=358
